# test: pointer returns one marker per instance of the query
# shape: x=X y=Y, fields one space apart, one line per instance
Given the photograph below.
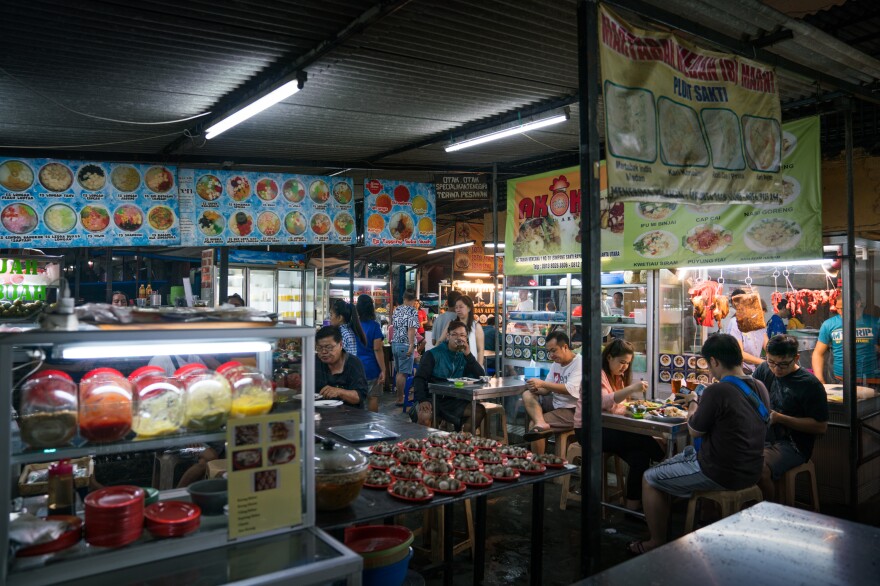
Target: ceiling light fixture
x=457 y=146
x=452 y=247
x=492 y=245
x=279 y=94
x=365 y=282
x=95 y=351
x=485 y=275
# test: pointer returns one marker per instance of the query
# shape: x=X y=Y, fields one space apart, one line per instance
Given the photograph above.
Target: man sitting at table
x=799 y=411
x=338 y=374
x=451 y=359
x=550 y=403
x=730 y=417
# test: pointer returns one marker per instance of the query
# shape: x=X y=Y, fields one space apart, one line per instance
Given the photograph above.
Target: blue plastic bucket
x=391 y=575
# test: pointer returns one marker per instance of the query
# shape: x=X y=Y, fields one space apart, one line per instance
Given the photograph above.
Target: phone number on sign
x=538 y=266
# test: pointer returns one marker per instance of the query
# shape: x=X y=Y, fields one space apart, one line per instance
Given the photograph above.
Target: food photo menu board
x=398 y=213
x=60 y=203
x=242 y=207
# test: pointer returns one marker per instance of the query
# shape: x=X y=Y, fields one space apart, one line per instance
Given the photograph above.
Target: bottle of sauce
x=142 y=292
x=61 y=494
x=208 y=398
x=251 y=391
x=104 y=405
x=149 y=291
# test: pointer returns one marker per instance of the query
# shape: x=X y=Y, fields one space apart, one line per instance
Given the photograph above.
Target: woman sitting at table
x=338 y=374
x=636 y=450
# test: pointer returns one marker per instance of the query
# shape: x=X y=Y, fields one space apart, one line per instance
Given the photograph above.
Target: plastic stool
x=498 y=410
x=432 y=533
x=573 y=455
x=730 y=501
x=609 y=492
x=785 y=487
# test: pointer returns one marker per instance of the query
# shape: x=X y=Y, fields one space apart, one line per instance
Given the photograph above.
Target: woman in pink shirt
x=636 y=450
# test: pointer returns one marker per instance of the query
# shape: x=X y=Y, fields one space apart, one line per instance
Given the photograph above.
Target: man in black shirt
x=799 y=410
x=338 y=374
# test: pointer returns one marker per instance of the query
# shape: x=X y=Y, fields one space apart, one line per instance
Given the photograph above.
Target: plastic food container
x=340 y=473
x=104 y=405
x=251 y=391
x=208 y=398
x=48 y=410
x=158 y=402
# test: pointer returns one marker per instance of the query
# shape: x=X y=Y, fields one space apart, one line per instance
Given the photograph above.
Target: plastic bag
x=749 y=314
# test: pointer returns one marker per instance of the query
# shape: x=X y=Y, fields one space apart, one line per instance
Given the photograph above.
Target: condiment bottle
x=61 y=495
x=48 y=409
x=251 y=392
x=104 y=405
x=158 y=402
x=208 y=398
x=149 y=291
x=142 y=292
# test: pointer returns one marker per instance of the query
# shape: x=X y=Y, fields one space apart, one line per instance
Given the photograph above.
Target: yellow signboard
x=686 y=125
x=264 y=465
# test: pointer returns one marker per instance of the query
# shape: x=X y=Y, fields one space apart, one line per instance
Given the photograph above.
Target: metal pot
x=340 y=472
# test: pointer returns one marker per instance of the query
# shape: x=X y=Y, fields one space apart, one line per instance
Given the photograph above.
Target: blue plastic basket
x=391 y=575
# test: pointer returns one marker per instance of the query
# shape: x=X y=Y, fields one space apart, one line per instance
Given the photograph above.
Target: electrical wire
x=548 y=146
x=78 y=113
x=97 y=144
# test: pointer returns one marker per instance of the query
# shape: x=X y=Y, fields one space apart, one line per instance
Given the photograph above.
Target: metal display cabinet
x=525 y=331
x=206 y=556
x=291 y=293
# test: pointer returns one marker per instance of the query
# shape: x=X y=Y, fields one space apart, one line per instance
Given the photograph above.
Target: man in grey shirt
x=442 y=321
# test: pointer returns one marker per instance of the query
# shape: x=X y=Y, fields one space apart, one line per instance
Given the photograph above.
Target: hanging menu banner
x=649 y=235
x=399 y=213
x=220 y=208
x=686 y=125
x=59 y=203
x=461 y=187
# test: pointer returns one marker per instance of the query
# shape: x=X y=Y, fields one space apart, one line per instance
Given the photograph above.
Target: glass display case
x=310 y=556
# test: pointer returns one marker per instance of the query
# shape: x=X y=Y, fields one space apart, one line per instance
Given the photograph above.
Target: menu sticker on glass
x=399 y=213
x=687 y=125
x=264 y=463
x=47 y=202
x=239 y=207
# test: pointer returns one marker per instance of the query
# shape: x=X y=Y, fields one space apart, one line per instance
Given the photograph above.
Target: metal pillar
x=499 y=355
x=351 y=274
x=849 y=322
x=591 y=467
x=108 y=252
x=223 y=288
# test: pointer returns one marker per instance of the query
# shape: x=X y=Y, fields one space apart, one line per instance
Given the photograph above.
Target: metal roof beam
x=743 y=48
x=286 y=67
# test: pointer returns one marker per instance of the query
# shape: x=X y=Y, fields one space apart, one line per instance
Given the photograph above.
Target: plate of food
x=91 y=177
x=209 y=187
x=60 y=218
x=342 y=193
x=669 y=414
x=268 y=223
x=382 y=448
x=692 y=362
x=296 y=223
x=551 y=461
x=19 y=218
x=94 y=218
x=526 y=466
x=159 y=179
x=465 y=379
x=410 y=491
x=706 y=239
x=665 y=360
x=473 y=478
x=401 y=226
x=501 y=473
x=241 y=223
x=16 y=175
x=631 y=116
x=128 y=217
x=437 y=467
x=763 y=143
x=319 y=191
x=328 y=403
x=722 y=128
x=211 y=223
x=160 y=218
x=789 y=142
x=656 y=244
x=773 y=235
x=343 y=223
x=281 y=454
x=655 y=211
x=56 y=177
x=238 y=187
x=267 y=189
x=681 y=138
x=294 y=191
x=377 y=479
x=538 y=236
x=125 y=178
x=320 y=224
x=678 y=361
x=381 y=461
x=665 y=376
x=445 y=484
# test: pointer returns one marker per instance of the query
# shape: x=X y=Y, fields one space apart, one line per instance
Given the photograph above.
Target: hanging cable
x=97 y=144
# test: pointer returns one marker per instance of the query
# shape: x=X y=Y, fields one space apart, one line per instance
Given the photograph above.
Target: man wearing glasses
x=799 y=410
x=338 y=374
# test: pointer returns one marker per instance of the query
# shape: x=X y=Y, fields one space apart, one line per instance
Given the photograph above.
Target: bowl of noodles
x=160 y=218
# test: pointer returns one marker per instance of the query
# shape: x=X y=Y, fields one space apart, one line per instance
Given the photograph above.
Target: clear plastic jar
x=251 y=391
x=104 y=405
x=48 y=413
x=158 y=402
x=208 y=398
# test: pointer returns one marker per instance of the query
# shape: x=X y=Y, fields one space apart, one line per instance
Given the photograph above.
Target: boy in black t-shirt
x=799 y=411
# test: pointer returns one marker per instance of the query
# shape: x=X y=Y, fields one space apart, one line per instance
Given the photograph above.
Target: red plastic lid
x=43 y=373
x=190 y=368
x=372 y=538
x=105 y=370
x=228 y=365
x=61 y=468
x=155 y=369
x=115 y=496
x=577 y=311
x=172 y=512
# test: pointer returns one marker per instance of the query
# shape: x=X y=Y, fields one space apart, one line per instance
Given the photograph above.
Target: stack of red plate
x=172 y=518
x=114 y=516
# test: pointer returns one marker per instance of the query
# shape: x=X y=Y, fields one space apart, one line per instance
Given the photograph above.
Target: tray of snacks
x=501 y=472
x=409 y=491
x=377 y=479
x=445 y=484
x=473 y=478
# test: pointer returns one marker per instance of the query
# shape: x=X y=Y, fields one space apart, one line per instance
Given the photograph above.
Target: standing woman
x=464 y=312
x=371 y=353
x=636 y=450
x=344 y=316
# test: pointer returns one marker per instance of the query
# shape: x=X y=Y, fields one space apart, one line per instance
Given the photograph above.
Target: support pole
x=108 y=253
x=591 y=466
x=351 y=274
x=325 y=298
x=849 y=323
x=498 y=353
x=223 y=293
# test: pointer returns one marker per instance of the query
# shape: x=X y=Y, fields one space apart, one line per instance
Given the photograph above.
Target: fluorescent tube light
x=781 y=264
x=492 y=245
x=122 y=350
x=457 y=146
x=254 y=108
x=374 y=282
x=452 y=247
x=486 y=275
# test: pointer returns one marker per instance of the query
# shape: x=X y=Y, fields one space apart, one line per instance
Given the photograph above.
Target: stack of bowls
x=114 y=516
x=172 y=518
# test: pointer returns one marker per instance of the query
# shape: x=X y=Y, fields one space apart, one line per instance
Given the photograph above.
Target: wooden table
x=376 y=505
x=495 y=388
x=675 y=434
x=764 y=544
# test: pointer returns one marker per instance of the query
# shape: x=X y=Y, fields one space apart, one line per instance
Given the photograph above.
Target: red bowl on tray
x=67 y=539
